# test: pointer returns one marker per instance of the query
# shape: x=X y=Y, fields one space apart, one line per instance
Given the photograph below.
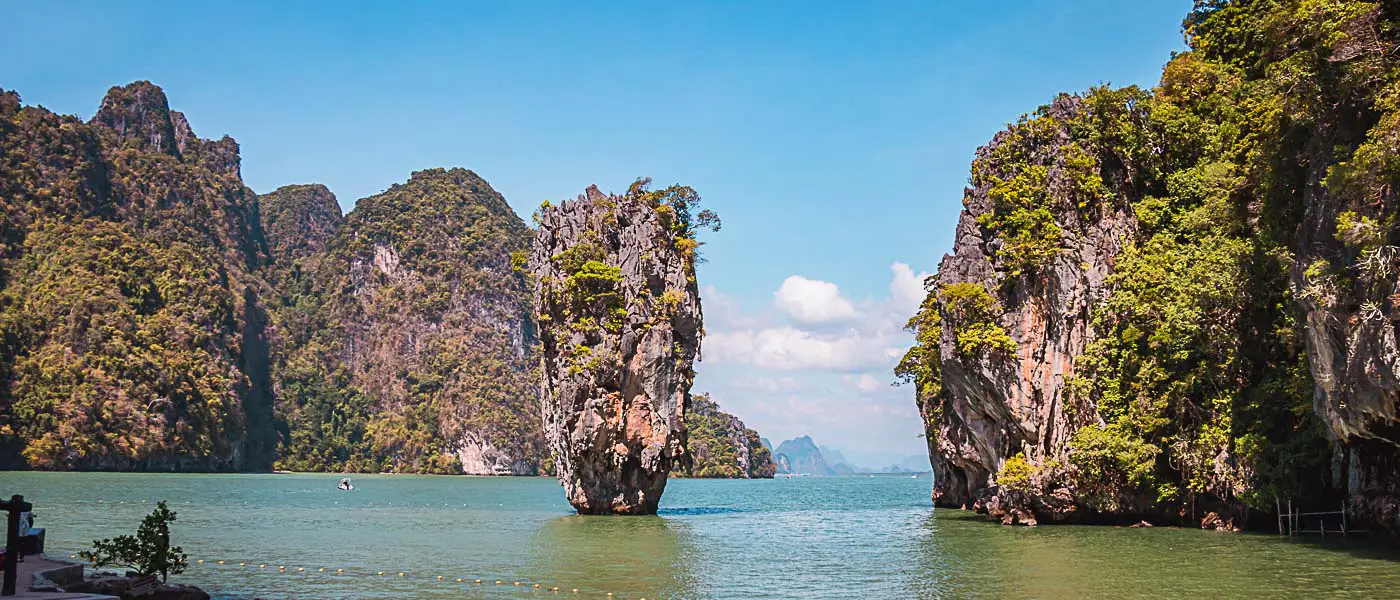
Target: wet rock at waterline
x=620 y=324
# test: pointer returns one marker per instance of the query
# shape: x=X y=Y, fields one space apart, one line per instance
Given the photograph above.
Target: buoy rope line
x=284 y=569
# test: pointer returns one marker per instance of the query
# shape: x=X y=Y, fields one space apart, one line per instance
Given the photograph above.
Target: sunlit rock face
x=620 y=325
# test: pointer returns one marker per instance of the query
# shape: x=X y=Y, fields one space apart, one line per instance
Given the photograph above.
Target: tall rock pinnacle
x=620 y=325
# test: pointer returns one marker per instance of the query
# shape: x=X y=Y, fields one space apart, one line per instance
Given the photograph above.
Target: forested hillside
x=409 y=337
x=156 y=314
x=132 y=311
x=721 y=446
x=1171 y=300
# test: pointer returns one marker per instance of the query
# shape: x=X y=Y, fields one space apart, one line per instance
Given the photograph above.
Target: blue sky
x=832 y=137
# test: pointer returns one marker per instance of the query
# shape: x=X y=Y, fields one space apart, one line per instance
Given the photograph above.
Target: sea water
x=805 y=537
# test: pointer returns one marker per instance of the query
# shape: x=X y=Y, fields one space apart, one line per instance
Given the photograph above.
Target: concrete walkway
x=39 y=564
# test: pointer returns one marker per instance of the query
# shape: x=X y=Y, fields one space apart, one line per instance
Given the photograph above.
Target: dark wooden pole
x=15 y=506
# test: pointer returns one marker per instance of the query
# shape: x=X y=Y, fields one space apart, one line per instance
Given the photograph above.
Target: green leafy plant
x=1017 y=474
x=148 y=552
x=973 y=311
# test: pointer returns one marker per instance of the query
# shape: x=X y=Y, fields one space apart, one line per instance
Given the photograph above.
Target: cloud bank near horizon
x=817 y=362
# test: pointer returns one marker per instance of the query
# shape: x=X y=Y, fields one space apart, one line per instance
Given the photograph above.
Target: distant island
x=802 y=456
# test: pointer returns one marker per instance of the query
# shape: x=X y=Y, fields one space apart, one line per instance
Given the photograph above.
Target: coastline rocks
x=620 y=326
x=1353 y=352
x=121 y=588
x=480 y=457
x=1213 y=520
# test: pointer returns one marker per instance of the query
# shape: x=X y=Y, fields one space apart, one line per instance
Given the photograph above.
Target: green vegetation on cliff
x=408 y=339
x=130 y=317
x=152 y=307
x=720 y=446
x=1281 y=120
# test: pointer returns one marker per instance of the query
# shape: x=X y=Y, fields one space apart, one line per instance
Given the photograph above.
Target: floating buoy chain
x=354 y=573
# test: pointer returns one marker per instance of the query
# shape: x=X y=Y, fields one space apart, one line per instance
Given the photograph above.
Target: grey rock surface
x=1001 y=404
x=620 y=326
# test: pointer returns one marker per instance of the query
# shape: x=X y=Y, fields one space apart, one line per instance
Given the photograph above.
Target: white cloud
x=829 y=334
x=722 y=312
x=813 y=301
x=865 y=383
x=772 y=385
x=818 y=362
x=792 y=349
x=906 y=289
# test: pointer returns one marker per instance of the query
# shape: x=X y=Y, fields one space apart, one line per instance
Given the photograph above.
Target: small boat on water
x=345 y=484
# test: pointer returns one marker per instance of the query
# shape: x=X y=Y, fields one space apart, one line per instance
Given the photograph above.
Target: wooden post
x=1278 y=510
x=1344 y=518
x=15 y=506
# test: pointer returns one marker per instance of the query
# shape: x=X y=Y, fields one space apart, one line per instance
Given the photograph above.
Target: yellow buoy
x=439 y=577
x=221 y=562
x=400 y=573
x=381 y=573
x=322 y=570
x=498 y=582
x=537 y=586
x=262 y=566
x=240 y=564
x=517 y=583
x=478 y=581
x=300 y=569
x=200 y=561
x=72 y=556
x=340 y=570
x=575 y=590
x=459 y=580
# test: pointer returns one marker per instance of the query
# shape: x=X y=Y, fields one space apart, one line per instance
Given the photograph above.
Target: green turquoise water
x=809 y=537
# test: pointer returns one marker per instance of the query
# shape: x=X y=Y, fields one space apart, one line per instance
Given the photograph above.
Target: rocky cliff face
x=620 y=326
x=801 y=455
x=1005 y=400
x=135 y=327
x=1166 y=300
x=721 y=446
x=408 y=327
x=1346 y=267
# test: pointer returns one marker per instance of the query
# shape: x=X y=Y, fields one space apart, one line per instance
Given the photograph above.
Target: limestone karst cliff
x=408 y=339
x=135 y=329
x=801 y=455
x=721 y=446
x=158 y=315
x=1172 y=300
x=620 y=326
